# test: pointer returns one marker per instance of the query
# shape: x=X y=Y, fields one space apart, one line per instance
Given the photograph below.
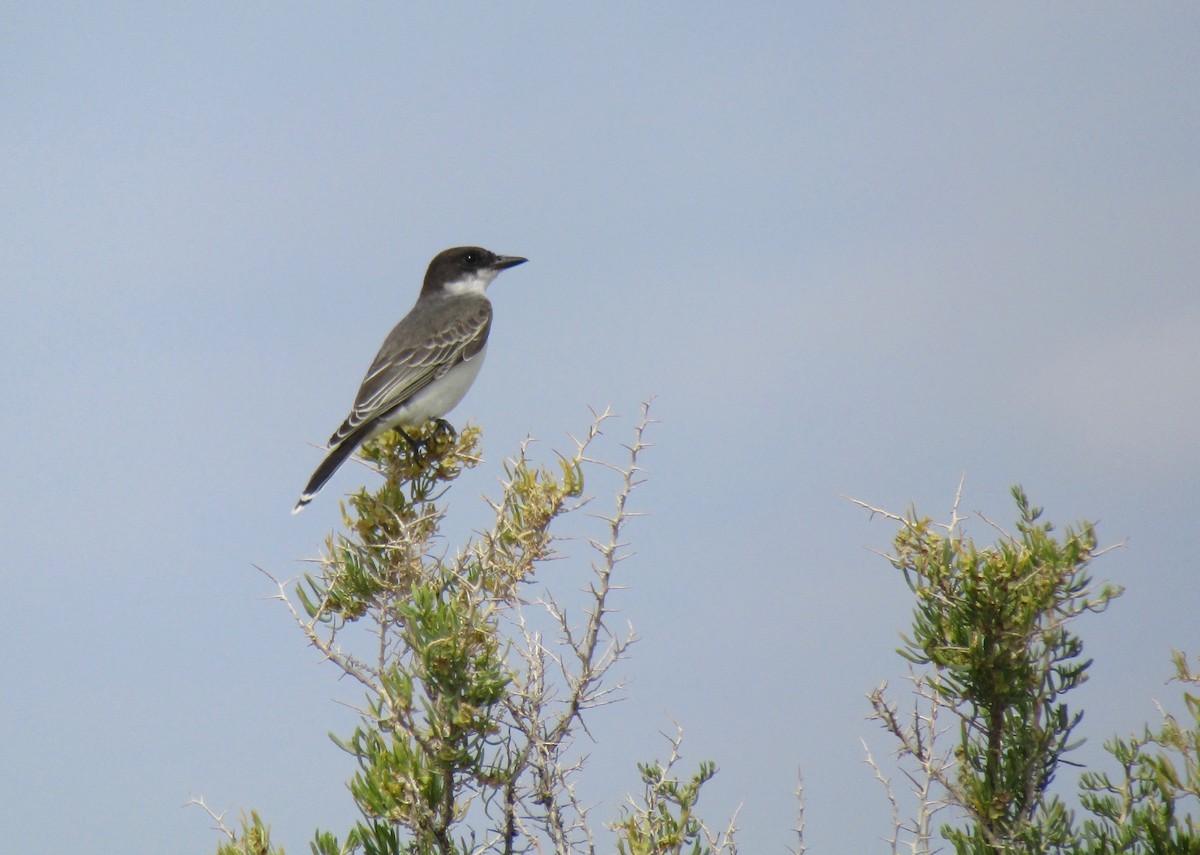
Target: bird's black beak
x=503 y=262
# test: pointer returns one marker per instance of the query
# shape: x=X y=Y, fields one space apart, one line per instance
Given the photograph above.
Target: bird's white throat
x=473 y=283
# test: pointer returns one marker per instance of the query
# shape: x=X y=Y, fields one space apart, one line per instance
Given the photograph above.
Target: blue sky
x=851 y=248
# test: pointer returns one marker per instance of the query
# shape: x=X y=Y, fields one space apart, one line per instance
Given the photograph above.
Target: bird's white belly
x=441 y=396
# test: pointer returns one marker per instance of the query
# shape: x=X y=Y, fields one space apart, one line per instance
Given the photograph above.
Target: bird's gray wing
x=399 y=372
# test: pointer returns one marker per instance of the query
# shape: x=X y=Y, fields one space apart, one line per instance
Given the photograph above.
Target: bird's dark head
x=466 y=269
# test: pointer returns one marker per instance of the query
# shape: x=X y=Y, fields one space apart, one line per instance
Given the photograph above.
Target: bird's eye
x=471 y=258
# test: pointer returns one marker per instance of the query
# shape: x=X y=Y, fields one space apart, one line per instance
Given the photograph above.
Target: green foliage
x=664 y=822
x=468 y=713
x=255 y=839
x=992 y=623
x=362 y=567
x=433 y=704
x=992 y=628
x=1144 y=810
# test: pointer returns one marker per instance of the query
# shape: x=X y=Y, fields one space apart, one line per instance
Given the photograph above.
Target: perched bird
x=428 y=362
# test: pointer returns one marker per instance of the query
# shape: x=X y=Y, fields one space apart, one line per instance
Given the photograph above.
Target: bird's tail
x=335 y=458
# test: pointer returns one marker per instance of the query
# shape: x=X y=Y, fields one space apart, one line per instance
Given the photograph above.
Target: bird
x=428 y=361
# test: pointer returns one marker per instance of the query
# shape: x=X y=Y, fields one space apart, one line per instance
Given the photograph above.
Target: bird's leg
x=419 y=445
x=412 y=443
x=442 y=436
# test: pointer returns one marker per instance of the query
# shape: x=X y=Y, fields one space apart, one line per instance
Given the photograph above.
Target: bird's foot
x=419 y=446
x=413 y=444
